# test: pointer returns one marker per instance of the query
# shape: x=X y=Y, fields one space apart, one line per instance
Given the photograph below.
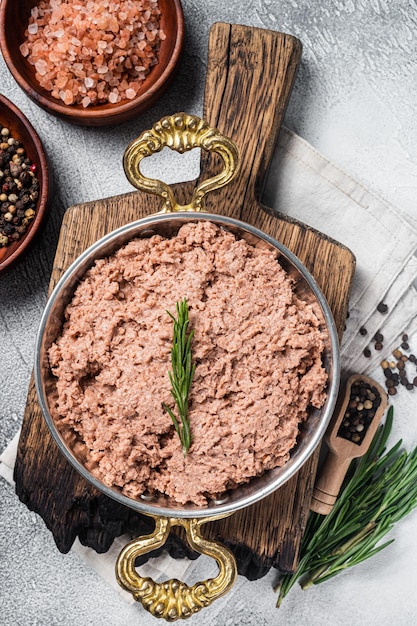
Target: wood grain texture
x=249 y=79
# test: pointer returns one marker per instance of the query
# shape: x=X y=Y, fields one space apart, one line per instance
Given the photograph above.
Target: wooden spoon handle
x=250 y=75
x=329 y=483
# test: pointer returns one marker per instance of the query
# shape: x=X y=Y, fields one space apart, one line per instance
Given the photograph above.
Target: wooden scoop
x=341 y=450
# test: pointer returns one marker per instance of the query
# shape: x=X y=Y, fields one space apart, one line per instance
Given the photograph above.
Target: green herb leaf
x=379 y=489
x=182 y=373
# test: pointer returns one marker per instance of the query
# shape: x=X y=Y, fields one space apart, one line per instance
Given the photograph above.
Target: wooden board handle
x=250 y=75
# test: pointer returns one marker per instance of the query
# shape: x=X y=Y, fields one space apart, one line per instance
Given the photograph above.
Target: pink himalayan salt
x=41 y=67
x=107 y=47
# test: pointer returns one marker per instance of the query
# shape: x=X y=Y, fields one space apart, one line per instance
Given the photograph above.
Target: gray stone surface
x=355 y=100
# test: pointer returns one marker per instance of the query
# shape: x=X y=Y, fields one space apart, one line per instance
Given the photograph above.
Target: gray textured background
x=354 y=100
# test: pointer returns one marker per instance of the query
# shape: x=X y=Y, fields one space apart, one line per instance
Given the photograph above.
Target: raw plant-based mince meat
x=257 y=348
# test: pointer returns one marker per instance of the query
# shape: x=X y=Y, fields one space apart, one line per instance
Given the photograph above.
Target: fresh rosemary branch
x=379 y=489
x=182 y=373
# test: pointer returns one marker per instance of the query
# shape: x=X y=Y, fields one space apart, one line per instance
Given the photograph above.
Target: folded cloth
x=303 y=184
x=8 y=459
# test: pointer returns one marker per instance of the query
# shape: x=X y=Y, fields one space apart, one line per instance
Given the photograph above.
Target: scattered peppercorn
x=363 y=331
x=396 y=372
x=382 y=307
x=19 y=188
x=367 y=352
x=363 y=403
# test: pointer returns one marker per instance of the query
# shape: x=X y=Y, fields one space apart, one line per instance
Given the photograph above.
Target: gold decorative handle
x=174 y=599
x=180 y=132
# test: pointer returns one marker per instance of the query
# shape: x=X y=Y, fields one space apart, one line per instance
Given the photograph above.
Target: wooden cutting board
x=250 y=75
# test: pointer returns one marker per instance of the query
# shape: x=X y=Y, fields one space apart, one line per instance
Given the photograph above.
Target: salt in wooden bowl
x=14 y=18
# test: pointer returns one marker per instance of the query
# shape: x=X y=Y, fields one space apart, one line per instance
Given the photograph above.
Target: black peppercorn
x=397 y=372
x=363 y=403
x=19 y=189
x=25 y=178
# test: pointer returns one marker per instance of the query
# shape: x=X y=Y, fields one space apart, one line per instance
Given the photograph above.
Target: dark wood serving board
x=250 y=75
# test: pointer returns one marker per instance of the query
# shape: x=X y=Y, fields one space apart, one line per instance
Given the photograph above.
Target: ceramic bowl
x=14 y=17
x=20 y=128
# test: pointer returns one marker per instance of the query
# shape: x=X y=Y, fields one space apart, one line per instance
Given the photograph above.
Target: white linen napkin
x=303 y=184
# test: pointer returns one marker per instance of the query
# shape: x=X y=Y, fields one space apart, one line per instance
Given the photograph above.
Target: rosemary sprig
x=379 y=489
x=182 y=373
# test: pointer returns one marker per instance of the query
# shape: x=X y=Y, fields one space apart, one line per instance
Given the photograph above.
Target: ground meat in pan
x=257 y=348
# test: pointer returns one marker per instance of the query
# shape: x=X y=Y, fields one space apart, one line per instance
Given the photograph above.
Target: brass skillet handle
x=173 y=599
x=180 y=132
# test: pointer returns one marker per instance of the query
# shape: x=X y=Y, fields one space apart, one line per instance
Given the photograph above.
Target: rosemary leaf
x=380 y=488
x=182 y=373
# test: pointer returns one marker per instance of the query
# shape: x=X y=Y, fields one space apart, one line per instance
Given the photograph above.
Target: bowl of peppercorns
x=24 y=184
x=92 y=63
